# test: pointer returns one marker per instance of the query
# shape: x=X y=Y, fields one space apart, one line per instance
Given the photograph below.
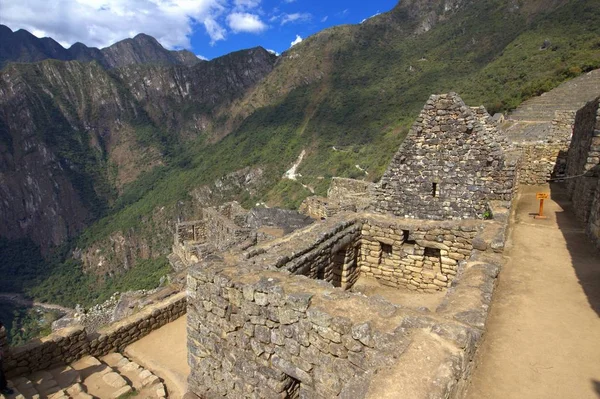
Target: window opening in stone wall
x=293 y=389
x=386 y=250
x=432 y=252
x=434 y=189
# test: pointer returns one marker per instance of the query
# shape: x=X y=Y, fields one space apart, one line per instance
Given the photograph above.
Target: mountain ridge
x=22 y=46
x=346 y=96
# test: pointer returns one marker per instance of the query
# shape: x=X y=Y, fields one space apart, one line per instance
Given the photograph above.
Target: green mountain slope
x=347 y=96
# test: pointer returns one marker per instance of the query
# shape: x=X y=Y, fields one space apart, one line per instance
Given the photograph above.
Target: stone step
x=23 y=388
x=531 y=120
x=100 y=380
x=111 y=377
x=146 y=384
x=45 y=384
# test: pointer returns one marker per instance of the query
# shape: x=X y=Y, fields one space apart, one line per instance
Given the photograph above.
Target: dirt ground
x=543 y=333
x=164 y=352
x=400 y=296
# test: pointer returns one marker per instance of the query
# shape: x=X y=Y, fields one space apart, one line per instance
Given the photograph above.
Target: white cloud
x=246 y=4
x=273 y=52
x=203 y=58
x=244 y=22
x=297 y=40
x=101 y=23
x=214 y=30
x=296 y=17
x=325 y=18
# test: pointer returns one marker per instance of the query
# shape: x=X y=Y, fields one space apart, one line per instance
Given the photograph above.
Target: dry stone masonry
x=280 y=319
x=421 y=256
x=343 y=195
x=270 y=321
x=451 y=164
x=69 y=344
x=583 y=168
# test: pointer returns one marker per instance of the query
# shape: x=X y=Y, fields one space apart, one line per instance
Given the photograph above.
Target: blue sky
x=208 y=28
x=285 y=20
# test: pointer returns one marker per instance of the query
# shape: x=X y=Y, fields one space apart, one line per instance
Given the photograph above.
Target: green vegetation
x=60 y=279
x=25 y=323
x=348 y=99
x=68 y=285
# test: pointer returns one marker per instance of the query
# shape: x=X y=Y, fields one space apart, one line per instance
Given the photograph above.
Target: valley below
x=104 y=151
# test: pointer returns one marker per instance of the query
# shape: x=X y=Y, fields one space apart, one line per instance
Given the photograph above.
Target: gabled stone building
x=294 y=317
x=449 y=166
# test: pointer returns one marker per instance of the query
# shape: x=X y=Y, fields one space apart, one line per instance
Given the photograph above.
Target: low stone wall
x=422 y=257
x=255 y=329
x=69 y=344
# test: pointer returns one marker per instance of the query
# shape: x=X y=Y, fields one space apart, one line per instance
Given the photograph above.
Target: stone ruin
x=291 y=317
x=451 y=164
x=230 y=226
x=583 y=168
x=376 y=297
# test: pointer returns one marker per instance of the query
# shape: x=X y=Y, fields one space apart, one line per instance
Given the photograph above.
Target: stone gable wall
x=69 y=344
x=449 y=166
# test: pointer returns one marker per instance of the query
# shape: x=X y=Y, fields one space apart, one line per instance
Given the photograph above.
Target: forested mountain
x=100 y=159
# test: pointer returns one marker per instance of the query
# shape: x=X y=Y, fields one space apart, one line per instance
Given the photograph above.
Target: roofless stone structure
x=295 y=317
x=451 y=164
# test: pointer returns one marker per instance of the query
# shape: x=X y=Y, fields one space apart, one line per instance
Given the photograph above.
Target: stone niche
x=451 y=164
x=279 y=320
x=418 y=255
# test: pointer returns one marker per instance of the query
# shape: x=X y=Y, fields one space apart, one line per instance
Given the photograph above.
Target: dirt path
x=164 y=352
x=543 y=334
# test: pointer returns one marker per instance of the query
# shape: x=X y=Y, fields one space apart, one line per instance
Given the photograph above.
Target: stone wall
x=315 y=207
x=583 y=168
x=258 y=327
x=593 y=225
x=259 y=336
x=422 y=257
x=450 y=165
x=343 y=195
x=583 y=158
x=542 y=162
x=546 y=157
x=348 y=193
x=219 y=229
x=562 y=126
x=69 y=344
